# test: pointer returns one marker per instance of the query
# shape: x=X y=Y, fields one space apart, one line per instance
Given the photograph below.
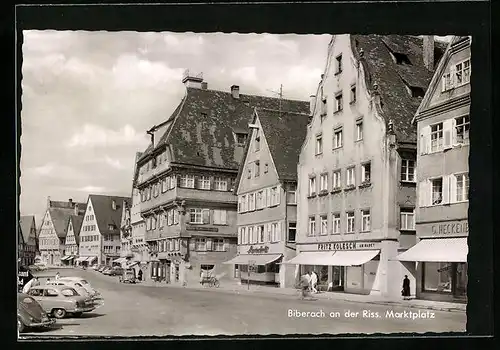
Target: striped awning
x=453 y=249
x=82 y=258
x=120 y=260
x=257 y=259
x=66 y=257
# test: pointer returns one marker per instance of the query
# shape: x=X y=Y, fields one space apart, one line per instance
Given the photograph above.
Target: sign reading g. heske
x=346 y=246
x=258 y=250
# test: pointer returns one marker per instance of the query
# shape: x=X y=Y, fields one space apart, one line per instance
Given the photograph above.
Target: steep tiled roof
x=77 y=224
x=60 y=212
x=25 y=223
x=284 y=133
x=392 y=78
x=66 y=205
x=104 y=213
x=202 y=132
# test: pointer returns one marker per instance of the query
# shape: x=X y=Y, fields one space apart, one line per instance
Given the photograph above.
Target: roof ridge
x=252 y=95
x=282 y=111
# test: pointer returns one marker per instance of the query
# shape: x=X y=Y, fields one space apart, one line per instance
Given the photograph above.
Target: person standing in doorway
x=406 y=288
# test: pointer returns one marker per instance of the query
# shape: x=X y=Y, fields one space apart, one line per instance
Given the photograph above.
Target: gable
x=20 y=238
x=47 y=227
x=262 y=156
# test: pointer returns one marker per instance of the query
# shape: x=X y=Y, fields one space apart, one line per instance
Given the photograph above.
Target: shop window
x=461 y=279
x=437 y=277
x=243 y=268
x=207 y=267
x=273 y=268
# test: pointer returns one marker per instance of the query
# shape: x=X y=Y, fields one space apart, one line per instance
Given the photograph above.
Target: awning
x=120 y=260
x=70 y=257
x=311 y=258
x=437 y=250
x=82 y=258
x=66 y=257
x=261 y=259
x=91 y=258
x=353 y=257
x=133 y=264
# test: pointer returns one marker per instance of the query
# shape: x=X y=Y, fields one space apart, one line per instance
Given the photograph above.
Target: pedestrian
x=314 y=282
x=32 y=283
x=304 y=284
x=405 y=292
x=58 y=275
x=139 y=275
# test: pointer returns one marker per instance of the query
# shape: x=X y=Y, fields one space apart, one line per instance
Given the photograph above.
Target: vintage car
x=73 y=284
x=61 y=300
x=105 y=269
x=30 y=314
x=128 y=276
x=84 y=283
x=115 y=271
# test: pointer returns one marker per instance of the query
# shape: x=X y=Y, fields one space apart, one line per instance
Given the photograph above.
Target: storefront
x=352 y=267
x=259 y=264
x=441 y=262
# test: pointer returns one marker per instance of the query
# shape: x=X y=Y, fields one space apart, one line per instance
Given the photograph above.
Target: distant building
x=443 y=123
x=186 y=180
x=357 y=165
x=27 y=240
x=266 y=189
x=100 y=230
x=72 y=239
x=53 y=229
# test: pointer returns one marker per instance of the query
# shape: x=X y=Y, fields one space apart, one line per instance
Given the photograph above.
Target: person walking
x=304 y=285
x=314 y=282
x=139 y=275
x=406 y=288
x=31 y=283
x=58 y=275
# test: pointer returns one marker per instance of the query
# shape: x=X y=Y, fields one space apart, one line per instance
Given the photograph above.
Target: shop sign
x=451 y=228
x=202 y=228
x=346 y=246
x=258 y=250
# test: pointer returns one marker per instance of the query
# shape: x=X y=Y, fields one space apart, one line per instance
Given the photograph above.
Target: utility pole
x=280 y=97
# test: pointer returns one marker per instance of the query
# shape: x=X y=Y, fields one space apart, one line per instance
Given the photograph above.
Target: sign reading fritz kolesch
x=201 y=228
x=346 y=246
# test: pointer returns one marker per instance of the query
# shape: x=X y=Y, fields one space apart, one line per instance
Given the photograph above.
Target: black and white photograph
x=222 y=184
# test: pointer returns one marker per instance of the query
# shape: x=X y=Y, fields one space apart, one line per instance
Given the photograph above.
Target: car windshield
x=28 y=300
x=69 y=292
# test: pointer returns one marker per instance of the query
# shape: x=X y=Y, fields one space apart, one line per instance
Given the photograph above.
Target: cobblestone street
x=134 y=310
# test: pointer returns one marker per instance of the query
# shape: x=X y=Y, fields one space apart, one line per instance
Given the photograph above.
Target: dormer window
x=400 y=58
x=241 y=138
x=257 y=141
x=415 y=91
x=113 y=205
x=111 y=227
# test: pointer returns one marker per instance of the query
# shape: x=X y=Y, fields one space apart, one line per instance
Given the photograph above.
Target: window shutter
x=278 y=233
x=447 y=133
x=454 y=132
x=268 y=197
x=421 y=194
x=423 y=141
x=205 y=216
x=443 y=82
x=453 y=188
x=452 y=76
x=446 y=190
x=177 y=180
x=209 y=244
x=223 y=217
x=278 y=195
x=267 y=234
x=212 y=183
x=239 y=236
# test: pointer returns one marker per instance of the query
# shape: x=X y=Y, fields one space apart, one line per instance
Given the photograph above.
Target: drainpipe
x=286 y=234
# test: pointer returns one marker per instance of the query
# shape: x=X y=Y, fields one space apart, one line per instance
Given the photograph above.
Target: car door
x=37 y=294
x=51 y=298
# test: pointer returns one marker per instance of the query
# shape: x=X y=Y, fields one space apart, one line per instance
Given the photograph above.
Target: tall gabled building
x=72 y=239
x=53 y=229
x=100 y=230
x=357 y=165
x=186 y=180
x=266 y=189
x=27 y=240
x=443 y=122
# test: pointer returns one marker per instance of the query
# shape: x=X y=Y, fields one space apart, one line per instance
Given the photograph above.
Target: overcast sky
x=88 y=97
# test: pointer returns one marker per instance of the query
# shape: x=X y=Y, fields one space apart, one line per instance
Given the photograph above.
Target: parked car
x=106 y=270
x=115 y=271
x=100 y=267
x=85 y=284
x=41 y=265
x=61 y=300
x=30 y=314
x=73 y=284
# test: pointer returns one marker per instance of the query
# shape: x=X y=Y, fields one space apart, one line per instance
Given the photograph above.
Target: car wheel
x=216 y=284
x=20 y=326
x=59 y=313
x=78 y=314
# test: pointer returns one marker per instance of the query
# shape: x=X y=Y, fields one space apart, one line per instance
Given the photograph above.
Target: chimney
x=76 y=209
x=192 y=80
x=235 y=91
x=48 y=201
x=70 y=202
x=312 y=102
x=204 y=85
x=428 y=52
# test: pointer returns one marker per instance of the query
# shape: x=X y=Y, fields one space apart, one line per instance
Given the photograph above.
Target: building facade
x=27 y=240
x=267 y=206
x=72 y=239
x=186 y=181
x=443 y=122
x=100 y=231
x=53 y=229
x=356 y=168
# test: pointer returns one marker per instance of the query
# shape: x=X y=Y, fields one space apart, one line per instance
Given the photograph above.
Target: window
x=350 y=222
x=176 y=216
x=407 y=218
x=408 y=170
x=338 y=102
x=220 y=184
x=353 y=94
x=251 y=202
x=312 y=186
x=336 y=223
x=365 y=220
x=436 y=137
x=200 y=244
x=351 y=180
x=291 y=194
x=220 y=217
x=446 y=82
x=275 y=196
x=275 y=233
x=324 y=225
x=266 y=168
x=400 y=58
x=336 y=180
x=249 y=171
x=187 y=181
x=257 y=141
x=257 y=168
x=337 y=138
x=204 y=183
x=462 y=129
x=437 y=277
x=462 y=181
x=250 y=234
x=319 y=145
x=312 y=226
x=260 y=234
x=366 y=173
x=164 y=184
x=324 y=108
x=241 y=138
x=338 y=64
x=218 y=244
x=359 y=130
x=437 y=191
x=50 y=293
x=292 y=231
x=170 y=217
x=195 y=216
x=462 y=73
x=323 y=182
x=243 y=204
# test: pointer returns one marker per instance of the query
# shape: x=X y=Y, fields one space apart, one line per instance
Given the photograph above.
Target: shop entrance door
x=176 y=272
x=338 y=278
